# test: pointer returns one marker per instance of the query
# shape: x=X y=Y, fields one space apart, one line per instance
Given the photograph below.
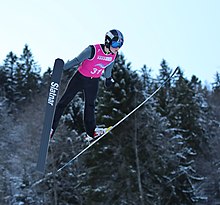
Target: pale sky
x=185 y=33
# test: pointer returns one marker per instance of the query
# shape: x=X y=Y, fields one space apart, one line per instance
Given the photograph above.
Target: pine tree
x=153 y=153
x=216 y=84
x=164 y=95
x=209 y=164
x=3 y=81
x=8 y=82
x=215 y=97
x=184 y=119
x=117 y=101
x=20 y=77
x=27 y=75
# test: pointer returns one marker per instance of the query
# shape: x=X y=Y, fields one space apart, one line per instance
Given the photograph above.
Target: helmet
x=114 y=38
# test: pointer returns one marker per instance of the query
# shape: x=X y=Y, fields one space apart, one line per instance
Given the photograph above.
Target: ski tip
x=177 y=69
x=59 y=60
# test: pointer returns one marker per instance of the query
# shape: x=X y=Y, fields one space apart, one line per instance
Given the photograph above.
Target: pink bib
x=94 y=67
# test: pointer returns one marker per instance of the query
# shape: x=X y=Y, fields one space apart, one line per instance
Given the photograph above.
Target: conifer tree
x=117 y=101
x=27 y=75
x=8 y=82
x=215 y=96
x=20 y=76
x=184 y=119
x=164 y=96
x=216 y=84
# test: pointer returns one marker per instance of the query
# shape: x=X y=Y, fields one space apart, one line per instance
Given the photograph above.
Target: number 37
x=96 y=71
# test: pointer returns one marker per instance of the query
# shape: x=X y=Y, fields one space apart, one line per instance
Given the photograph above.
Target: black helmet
x=114 y=38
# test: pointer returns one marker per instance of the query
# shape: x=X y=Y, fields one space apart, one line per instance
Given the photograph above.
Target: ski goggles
x=116 y=44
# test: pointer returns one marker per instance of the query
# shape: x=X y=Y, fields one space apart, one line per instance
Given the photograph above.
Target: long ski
x=119 y=122
x=49 y=113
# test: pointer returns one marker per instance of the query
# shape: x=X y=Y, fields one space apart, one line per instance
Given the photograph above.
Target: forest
x=165 y=153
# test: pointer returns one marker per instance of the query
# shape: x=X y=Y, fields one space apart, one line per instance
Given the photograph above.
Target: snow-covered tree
x=8 y=82
x=27 y=75
x=20 y=77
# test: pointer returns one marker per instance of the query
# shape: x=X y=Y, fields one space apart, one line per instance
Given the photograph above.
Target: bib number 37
x=96 y=71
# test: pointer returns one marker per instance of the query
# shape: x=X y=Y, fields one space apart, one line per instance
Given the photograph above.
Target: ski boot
x=97 y=133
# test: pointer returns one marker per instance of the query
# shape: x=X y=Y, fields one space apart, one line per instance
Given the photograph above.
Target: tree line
x=165 y=153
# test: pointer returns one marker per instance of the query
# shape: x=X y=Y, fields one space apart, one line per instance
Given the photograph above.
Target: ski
x=49 y=113
x=119 y=122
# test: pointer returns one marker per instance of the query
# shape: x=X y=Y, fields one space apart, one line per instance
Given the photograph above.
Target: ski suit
x=93 y=62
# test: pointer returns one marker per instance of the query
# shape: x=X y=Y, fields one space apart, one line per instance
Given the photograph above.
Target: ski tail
x=49 y=113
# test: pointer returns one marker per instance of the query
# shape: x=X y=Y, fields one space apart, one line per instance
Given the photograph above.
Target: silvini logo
x=53 y=93
x=105 y=58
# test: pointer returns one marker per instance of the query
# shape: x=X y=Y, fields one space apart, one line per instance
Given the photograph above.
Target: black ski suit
x=88 y=85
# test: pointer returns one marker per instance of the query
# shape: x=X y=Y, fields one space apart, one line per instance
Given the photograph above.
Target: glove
x=109 y=82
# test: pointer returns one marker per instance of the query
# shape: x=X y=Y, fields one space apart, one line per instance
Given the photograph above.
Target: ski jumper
x=93 y=62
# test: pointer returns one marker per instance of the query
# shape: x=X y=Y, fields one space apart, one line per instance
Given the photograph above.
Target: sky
x=185 y=33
